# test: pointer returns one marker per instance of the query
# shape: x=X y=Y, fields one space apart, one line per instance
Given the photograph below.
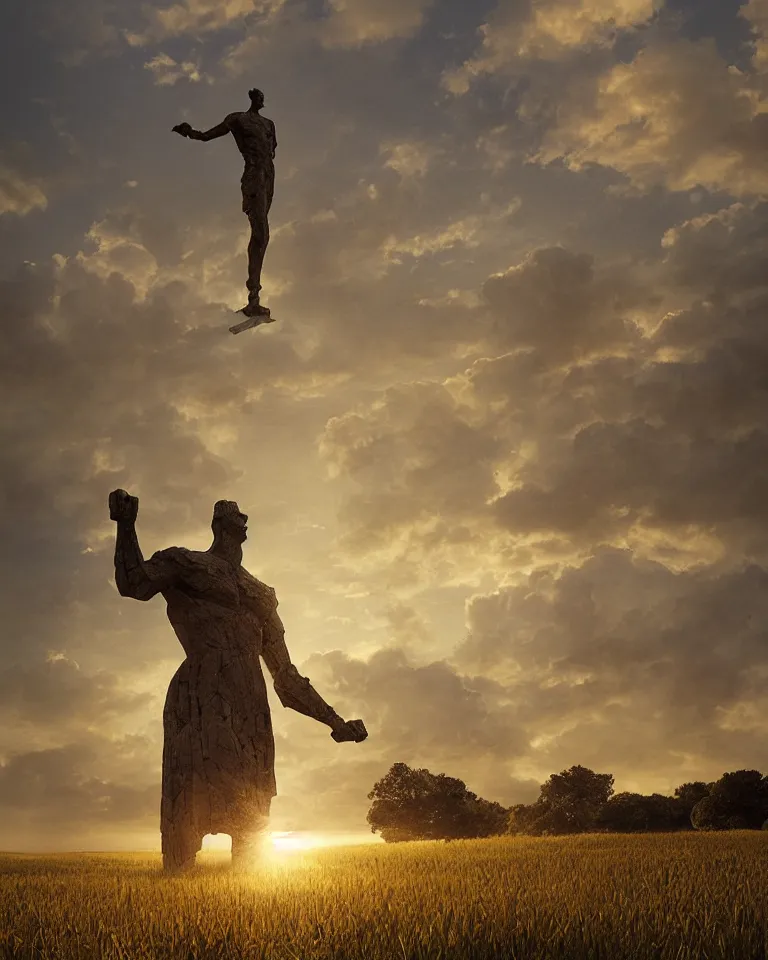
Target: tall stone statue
x=257 y=142
x=218 y=749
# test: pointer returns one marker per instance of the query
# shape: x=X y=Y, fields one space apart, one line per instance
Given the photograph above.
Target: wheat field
x=702 y=896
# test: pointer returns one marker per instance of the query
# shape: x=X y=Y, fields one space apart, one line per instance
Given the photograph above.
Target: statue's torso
x=215 y=605
x=254 y=137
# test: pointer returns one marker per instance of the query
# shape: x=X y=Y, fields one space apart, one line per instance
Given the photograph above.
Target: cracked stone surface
x=218 y=748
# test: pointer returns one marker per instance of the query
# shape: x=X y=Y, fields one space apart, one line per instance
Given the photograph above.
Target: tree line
x=414 y=804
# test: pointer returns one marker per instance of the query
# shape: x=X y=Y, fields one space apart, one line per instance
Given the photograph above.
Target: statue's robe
x=218 y=750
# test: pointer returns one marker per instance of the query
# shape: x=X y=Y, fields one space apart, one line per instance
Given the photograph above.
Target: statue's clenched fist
x=349 y=730
x=123 y=507
x=183 y=128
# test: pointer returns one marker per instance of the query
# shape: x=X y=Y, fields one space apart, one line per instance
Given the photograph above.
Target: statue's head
x=257 y=98
x=228 y=521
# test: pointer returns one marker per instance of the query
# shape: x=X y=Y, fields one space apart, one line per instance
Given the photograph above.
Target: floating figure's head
x=228 y=522
x=257 y=98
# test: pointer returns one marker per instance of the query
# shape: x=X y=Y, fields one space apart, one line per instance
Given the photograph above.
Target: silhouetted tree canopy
x=737 y=801
x=636 y=813
x=689 y=794
x=579 y=800
x=411 y=804
x=570 y=802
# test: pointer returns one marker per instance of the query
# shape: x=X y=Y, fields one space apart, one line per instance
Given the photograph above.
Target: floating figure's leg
x=257 y=247
x=257 y=199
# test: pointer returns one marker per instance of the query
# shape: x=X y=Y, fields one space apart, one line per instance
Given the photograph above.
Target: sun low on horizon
x=294 y=841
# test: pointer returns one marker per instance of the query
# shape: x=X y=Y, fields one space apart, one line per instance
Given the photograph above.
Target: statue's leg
x=180 y=837
x=257 y=248
x=248 y=844
x=180 y=846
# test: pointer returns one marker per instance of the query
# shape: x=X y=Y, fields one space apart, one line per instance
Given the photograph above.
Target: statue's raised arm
x=135 y=577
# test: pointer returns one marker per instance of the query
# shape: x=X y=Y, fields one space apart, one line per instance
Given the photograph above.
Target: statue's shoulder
x=176 y=554
x=183 y=560
x=254 y=589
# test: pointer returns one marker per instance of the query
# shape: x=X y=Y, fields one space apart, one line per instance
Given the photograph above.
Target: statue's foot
x=255 y=309
x=175 y=867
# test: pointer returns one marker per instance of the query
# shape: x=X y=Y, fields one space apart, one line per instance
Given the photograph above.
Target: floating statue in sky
x=218 y=748
x=255 y=138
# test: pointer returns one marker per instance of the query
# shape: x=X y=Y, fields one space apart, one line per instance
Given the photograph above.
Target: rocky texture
x=219 y=751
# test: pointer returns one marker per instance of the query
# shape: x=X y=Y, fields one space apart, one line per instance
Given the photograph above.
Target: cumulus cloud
x=18 y=194
x=549 y=30
x=68 y=797
x=408 y=159
x=57 y=690
x=167 y=71
x=676 y=115
x=628 y=665
x=200 y=16
x=352 y=23
x=559 y=304
x=756 y=14
x=651 y=442
x=585 y=426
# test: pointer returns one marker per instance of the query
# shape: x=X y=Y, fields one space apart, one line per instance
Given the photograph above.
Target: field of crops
x=674 y=896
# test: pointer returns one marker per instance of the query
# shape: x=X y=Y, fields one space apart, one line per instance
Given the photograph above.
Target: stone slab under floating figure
x=257 y=142
x=218 y=747
x=250 y=322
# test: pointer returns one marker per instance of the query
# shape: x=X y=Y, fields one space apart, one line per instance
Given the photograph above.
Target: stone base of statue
x=254 y=315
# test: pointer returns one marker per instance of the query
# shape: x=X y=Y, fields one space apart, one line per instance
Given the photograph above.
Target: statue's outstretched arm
x=296 y=691
x=186 y=130
x=293 y=690
x=136 y=577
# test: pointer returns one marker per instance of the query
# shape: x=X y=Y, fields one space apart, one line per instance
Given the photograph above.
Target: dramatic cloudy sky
x=506 y=452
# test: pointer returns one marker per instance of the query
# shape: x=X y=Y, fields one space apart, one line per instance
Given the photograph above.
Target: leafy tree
x=488 y=817
x=744 y=794
x=687 y=795
x=737 y=801
x=635 y=813
x=410 y=804
x=710 y=813
x=690 y=793
x=569 y=802
x=396 y=835
x=576 y=794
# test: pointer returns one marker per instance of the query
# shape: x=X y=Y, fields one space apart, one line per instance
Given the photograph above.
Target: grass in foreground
x=701 y=896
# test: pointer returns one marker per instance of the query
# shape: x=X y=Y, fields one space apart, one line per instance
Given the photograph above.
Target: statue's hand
x=349 y=730
x=123 y=507
x=183 y=128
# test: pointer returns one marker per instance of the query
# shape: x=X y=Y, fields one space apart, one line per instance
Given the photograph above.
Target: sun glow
x=288 y=841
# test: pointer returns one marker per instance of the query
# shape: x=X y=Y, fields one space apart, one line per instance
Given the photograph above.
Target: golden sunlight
x=291 y=840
